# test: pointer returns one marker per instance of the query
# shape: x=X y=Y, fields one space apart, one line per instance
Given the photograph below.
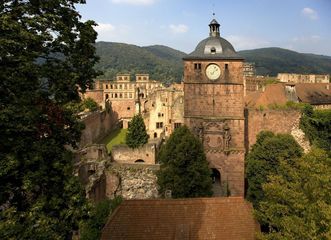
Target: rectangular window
x=197 y=66
x=159 y=125
x=177 y=125
x=226 y=66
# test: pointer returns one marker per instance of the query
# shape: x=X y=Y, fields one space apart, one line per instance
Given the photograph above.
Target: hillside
x=165 y=64
x=270 y=61
x=161 y=62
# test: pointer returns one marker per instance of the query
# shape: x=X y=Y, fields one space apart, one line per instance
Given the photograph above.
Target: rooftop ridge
x=184 y=201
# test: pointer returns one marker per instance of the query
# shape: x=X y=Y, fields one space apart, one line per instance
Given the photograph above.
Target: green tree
x=90 y=104
x=263 y=160
x=91 y=228
x=297 y=202
x=316 y=124
x=47 y=54
x=184 y=168
x=136 y=135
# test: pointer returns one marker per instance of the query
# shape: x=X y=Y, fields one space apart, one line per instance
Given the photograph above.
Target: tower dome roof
x=214 y=47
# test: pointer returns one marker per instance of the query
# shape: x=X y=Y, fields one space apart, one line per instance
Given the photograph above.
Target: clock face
x=213 y=71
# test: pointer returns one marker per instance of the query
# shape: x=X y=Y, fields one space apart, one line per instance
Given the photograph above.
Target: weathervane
x=213 y=9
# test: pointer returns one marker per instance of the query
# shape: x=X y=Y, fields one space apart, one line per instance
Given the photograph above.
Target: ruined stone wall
x=163 y=111
x=124 y=108
x=277 y=121
x=97 y=126
x=132 y=181
x=96 y=95
x=145 y=154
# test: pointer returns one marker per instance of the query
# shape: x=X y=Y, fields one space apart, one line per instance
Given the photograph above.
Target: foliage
x=165 y=64
x=184 y=168
x=162 y=63
x=136 y=135
x=316 y=124
x=79 y=106
x=90 y=104
x=46 y=56
x=271 y=80
x=263 y=160
x=98 y=215
x=117 y=137
x=271 y=61
x=290 y=105
x=297 y=202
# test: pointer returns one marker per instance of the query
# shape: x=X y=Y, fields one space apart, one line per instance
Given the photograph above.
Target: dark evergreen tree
x=46 y=55
x=136 y=135
x=184 y=168
x=263 y=160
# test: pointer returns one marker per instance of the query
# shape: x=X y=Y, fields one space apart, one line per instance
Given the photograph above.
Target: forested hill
x=165 y=64
x=270 y=61
x=161 y=62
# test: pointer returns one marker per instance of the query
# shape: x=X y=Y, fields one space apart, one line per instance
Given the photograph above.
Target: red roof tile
x=199 y=218
x=316 y=93
x=273 y=94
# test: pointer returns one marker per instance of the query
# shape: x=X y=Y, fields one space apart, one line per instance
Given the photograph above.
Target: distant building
x=253 y=83
x=163 y=111
x=249 y=69
x=303 y=78
x=125 y=95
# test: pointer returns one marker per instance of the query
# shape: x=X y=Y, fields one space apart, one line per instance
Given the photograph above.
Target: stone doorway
x=216 y=178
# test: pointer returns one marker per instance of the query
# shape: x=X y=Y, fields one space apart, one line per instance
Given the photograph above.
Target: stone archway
x=216 y=178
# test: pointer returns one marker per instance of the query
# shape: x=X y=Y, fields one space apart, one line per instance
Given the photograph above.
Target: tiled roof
x=314 y=93
x=186 y=219
x=224 y=50
x=273 y=94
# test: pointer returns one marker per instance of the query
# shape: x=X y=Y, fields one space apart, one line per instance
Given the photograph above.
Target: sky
x=300 y=25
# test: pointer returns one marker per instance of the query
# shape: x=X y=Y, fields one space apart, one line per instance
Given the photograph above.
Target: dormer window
x=213 y=50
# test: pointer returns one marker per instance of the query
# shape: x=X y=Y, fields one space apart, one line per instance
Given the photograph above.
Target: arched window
x=107 y=96
x=139 y=161
x=155 y=135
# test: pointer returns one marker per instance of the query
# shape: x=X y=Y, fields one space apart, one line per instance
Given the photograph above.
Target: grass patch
x=115 y=138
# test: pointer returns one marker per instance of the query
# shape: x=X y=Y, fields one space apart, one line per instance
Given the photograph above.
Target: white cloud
x=109 y=32
x=180 y=28
x=134 y=2
x=104 y=27
x=244 y=43
x=307 y=39
x=309 y=13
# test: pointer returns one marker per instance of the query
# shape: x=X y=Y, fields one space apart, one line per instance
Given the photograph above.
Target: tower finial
x=213 y=9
